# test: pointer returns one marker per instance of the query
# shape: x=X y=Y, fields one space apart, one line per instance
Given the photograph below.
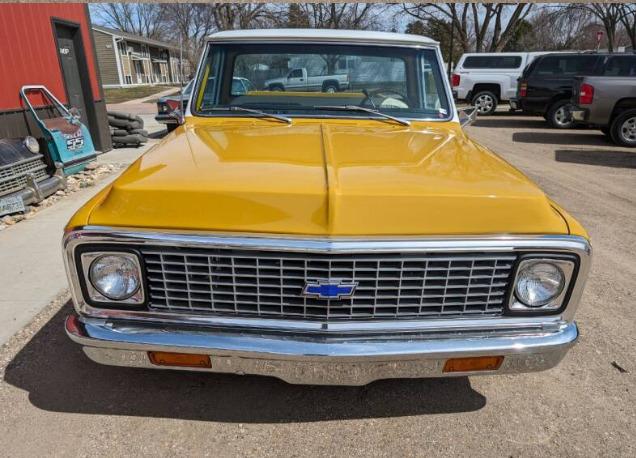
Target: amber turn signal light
x=162 y=358
x=478 y=363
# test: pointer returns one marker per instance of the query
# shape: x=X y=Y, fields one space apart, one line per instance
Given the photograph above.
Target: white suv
x=486 y=79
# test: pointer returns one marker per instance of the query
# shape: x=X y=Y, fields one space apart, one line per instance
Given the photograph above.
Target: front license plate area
x=329 y=373
x=9 y=205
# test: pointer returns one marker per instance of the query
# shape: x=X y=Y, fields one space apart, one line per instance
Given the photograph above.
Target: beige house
x=126 y=59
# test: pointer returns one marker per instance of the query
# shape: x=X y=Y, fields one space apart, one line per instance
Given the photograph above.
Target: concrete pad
x=134 y=108
x=143 y=105
x=156 y=95
x=154 y=128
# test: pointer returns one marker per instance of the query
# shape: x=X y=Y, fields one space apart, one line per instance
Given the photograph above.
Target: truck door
x=296 y=80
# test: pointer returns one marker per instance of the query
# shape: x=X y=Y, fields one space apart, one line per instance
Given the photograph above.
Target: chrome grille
x=270 y=284
x=14 y=177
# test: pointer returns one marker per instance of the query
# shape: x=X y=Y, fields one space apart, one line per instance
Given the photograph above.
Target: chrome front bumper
x=36 y=191
x=322 y=359
x=166 y=118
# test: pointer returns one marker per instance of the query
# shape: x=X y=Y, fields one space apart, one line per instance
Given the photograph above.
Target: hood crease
x=330 y=176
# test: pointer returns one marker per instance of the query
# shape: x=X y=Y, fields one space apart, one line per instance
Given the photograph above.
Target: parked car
x=299 y=80
x=25 y=176
x=545 y=87
x=325 y=238
x=487 y=79
x=167 y=105
x=608 y=101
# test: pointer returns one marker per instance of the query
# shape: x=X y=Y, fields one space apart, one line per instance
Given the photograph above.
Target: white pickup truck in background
x=298 y=80
x=487 y=79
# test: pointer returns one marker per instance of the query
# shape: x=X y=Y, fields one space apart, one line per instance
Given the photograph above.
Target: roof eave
x=134 y=39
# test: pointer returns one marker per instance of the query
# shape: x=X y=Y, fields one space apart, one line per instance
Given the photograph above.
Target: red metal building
x=50 y=44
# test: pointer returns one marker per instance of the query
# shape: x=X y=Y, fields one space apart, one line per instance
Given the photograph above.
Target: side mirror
x=467 y=116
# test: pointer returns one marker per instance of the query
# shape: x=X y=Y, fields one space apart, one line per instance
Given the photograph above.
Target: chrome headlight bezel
x=32 y=144
x=93 y=296
x=567 y=264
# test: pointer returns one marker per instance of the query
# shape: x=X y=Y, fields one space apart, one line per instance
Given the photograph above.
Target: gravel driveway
x=53 y=400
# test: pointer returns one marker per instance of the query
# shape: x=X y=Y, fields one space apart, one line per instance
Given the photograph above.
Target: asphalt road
x=55 y=401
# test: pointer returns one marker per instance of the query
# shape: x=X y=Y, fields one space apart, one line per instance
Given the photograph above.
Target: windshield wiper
x=404 y=122
x=259 y=113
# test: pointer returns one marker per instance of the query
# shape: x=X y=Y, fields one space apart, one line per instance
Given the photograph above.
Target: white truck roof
x=326 y=35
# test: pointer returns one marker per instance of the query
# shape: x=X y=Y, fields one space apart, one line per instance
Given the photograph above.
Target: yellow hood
x=317 y=177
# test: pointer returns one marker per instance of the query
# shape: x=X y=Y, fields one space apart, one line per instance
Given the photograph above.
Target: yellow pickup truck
x=324 y=237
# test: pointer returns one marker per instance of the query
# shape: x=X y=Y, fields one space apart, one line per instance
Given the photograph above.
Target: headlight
x=113 y=277
x=541 y=284
x=32 y=144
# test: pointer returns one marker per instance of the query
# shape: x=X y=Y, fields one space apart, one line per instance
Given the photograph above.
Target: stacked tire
x=126 y=130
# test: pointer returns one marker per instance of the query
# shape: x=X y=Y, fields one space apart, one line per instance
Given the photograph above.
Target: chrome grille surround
x=13 y=177
x=270 y=284
x=98 y=237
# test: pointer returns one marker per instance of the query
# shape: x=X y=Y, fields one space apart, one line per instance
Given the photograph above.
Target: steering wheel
x=383 y=93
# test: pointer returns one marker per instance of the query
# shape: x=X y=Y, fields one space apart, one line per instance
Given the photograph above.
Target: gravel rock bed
x=84 y=179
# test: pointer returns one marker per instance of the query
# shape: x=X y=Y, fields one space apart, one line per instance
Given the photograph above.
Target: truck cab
x=487 y=79
x=298 y=79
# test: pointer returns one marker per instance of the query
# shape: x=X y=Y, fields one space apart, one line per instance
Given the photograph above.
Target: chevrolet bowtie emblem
x=329 y=289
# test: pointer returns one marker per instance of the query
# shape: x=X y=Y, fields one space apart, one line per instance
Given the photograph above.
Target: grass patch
x=118 y=95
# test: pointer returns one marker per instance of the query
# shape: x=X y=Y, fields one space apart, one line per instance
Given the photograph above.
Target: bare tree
x=628 y=20
x=230 y=16
x=506 y=25
x=609 y=14
x=555 y=28
x=192 y=23
x=488 y=25
x=343 y=15
x=296 y=17
x=188 y=24
x=145 y=19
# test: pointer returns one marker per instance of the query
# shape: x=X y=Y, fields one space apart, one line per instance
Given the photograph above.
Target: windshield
x=307 y=79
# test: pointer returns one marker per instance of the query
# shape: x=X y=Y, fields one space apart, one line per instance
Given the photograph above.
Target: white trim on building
x=117 y=60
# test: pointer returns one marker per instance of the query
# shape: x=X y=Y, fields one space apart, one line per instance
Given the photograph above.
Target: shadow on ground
x=59 y=378
x=605 y=158
x=560 y=137
x=158 y=134
x=504 y=120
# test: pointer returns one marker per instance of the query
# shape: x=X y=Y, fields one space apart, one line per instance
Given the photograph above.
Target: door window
x=492 y=62
x=620 y=66
x=298 y=73
x=566 y=65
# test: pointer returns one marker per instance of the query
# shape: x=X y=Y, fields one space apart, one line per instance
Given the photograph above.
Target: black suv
x=545 y=86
